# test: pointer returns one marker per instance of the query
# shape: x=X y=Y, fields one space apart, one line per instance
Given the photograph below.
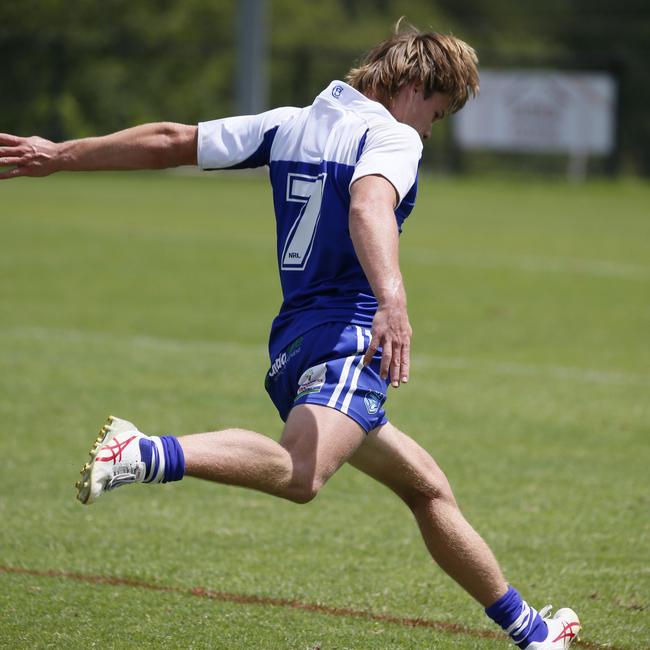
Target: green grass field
x=150 y=297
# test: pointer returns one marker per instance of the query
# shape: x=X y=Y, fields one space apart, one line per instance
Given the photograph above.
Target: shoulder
x=392 y=150
x=394 y=135
x=278 y=115
x=243 y=140
x=251 y=123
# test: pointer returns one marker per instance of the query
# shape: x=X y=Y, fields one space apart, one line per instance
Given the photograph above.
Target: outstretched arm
x=148 y=146
x=376 y=242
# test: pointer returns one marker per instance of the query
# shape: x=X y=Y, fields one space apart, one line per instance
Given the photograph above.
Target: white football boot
x=114 y=460
x=563 y=630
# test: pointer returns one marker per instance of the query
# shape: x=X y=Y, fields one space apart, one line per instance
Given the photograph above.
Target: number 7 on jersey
x=307 y=190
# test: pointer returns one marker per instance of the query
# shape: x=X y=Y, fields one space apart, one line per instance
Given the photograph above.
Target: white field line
x=597 y=268
x=500 y=368
x=516 y=369
x=133 y=340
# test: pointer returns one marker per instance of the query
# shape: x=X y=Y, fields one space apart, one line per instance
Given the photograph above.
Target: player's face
x=412 y=108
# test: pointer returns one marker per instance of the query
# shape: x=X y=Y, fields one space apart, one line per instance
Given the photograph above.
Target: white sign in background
x=540 y=111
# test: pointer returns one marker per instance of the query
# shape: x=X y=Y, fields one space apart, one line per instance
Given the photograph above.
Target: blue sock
x=518 y=619
x=163 y=458
x=174 y=459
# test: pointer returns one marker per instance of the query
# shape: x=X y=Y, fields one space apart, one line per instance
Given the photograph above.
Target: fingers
x=10 y=160
x=386 y=358
x=12 y=173
x=395 y=360
x=386 y=355
x=391 y=332
x=22 y=148
x=7 y=138
x=399 y=364
x=371 y=351
x=18 y=153
x=401 y=369
x=25 y=156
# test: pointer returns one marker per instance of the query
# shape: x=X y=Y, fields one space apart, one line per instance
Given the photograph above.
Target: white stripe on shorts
x=346 y=370
x=357 y=372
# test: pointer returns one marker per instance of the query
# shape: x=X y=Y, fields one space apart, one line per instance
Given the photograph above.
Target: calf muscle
x=392 y=458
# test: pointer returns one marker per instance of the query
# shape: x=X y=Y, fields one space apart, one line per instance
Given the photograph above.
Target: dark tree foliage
x=617 y=34
x=78 y=67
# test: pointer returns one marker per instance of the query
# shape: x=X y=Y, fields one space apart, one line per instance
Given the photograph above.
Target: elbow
x=357 y=213
x=364 y=211
x=370 y=215
x=359 y=219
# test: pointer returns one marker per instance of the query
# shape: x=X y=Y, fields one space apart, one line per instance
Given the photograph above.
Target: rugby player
x=344 y=176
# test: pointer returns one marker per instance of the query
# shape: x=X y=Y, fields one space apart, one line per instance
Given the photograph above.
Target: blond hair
x=440 y=63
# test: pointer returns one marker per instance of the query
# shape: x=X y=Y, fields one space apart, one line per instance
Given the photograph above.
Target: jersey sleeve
x=240 y=142
x=391 y=150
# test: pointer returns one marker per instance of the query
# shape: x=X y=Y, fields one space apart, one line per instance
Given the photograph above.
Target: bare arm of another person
x=148 y=146
x=374 y=233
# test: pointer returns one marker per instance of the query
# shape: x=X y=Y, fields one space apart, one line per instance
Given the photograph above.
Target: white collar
x=338 y=92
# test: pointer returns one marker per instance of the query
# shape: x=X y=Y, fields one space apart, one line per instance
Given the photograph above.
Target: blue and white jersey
x=314 y=155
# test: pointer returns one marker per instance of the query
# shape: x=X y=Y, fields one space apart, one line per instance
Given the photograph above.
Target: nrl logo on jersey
x=312 y=380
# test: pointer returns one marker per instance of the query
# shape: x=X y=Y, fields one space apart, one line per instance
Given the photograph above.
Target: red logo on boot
x=567 y=632
x=116 y=448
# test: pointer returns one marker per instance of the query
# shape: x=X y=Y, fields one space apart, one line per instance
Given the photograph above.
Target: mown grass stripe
x=503 y=368
x=533 y=263
x=252 y=599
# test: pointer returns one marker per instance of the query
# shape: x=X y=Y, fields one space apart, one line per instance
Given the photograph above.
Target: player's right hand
x=391 y=331
x=31 y=156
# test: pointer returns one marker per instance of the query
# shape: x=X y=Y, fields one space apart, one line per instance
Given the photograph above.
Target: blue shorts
x=325 y=366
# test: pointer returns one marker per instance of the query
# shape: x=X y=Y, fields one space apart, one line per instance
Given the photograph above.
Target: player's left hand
x=391 y=331
x=31 y=156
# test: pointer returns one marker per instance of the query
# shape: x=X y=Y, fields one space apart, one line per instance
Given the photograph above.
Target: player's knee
x=305 y=484
x=432 y=488
x=303 y=492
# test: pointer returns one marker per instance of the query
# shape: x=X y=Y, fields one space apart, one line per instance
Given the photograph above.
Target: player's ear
x=417 y=91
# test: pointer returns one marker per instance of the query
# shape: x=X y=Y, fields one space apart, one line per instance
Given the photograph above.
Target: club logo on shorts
x=312 y=380
x=373 y=401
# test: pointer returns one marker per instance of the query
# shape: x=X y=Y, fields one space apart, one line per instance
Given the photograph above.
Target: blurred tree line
x=79 y=67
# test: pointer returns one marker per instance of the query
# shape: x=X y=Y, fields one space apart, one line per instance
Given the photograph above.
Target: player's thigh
x=319 y=440
x=391 y=457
